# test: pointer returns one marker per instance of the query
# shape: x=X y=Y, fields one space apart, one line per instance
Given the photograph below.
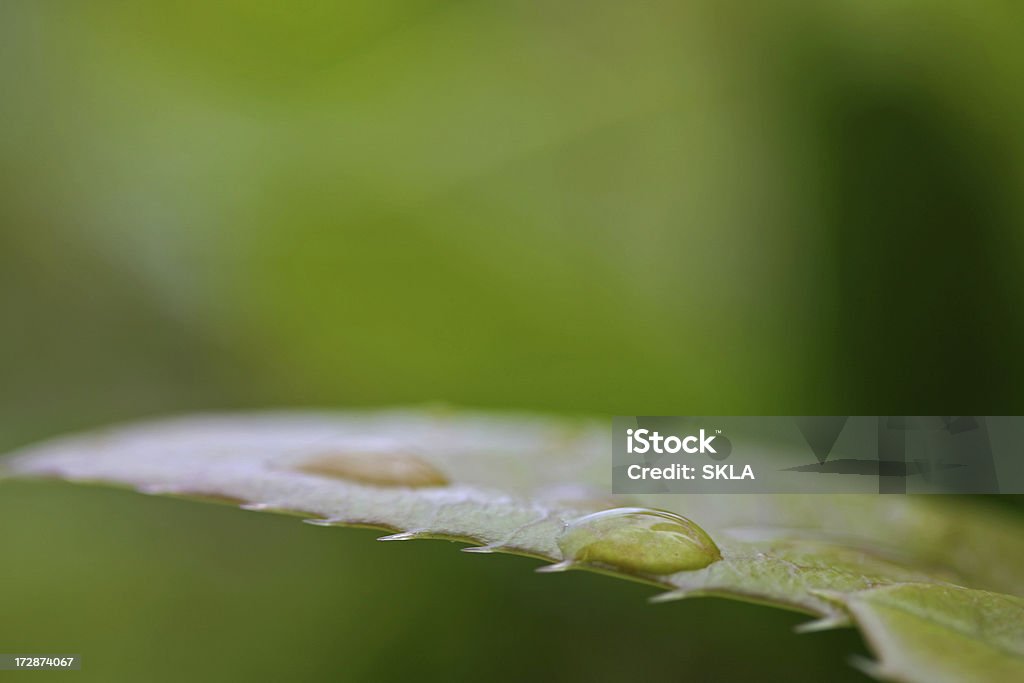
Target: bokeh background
x=597 y=207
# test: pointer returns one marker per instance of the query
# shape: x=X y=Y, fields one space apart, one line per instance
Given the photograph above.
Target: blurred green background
x=587 y=207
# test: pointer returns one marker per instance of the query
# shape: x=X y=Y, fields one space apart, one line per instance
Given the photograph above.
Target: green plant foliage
x=929 y=581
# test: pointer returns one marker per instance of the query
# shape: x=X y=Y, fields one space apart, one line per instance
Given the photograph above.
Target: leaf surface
x=925 y=579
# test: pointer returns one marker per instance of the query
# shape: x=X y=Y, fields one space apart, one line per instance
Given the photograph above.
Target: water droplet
x=636 y=540
x=255 y=507
x=377 y=469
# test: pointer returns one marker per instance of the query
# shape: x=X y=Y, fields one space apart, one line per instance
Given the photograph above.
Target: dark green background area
x=578 y=207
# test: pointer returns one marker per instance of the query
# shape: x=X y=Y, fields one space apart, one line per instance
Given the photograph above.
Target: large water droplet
x=636 y=540
x=377 y=469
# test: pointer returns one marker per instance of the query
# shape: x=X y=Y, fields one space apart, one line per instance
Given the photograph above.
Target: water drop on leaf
x=376 y=469
x=637 y=541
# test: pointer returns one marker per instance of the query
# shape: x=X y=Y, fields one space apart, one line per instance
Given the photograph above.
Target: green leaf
x=928 y=632
x=895 y=565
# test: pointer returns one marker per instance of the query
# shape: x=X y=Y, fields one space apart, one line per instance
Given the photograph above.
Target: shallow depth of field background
x=581 y=207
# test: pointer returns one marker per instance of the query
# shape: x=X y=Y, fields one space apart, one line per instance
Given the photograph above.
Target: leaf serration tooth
x=410 y=535
x=482 y=549
x=321 y=521
x=825 y=623
x=564 y=565
x=670 y=596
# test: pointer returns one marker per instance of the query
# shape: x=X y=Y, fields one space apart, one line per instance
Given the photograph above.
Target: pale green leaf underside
x=927 y=632
x=897 y=565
